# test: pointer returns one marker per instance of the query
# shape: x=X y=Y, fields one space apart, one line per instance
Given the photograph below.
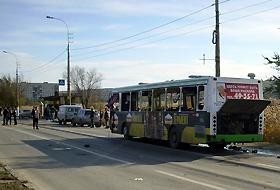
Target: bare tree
x=84 y=82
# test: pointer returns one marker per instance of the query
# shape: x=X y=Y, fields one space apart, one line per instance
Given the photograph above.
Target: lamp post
x=17 y=65
x=68 y=56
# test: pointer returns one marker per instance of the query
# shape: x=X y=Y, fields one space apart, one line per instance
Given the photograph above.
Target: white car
x=66 y=113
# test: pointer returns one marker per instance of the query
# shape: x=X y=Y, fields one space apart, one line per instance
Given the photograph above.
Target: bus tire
x=173 y=138
x=126 y=132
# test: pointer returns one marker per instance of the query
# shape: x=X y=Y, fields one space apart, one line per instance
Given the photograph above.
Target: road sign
x=61 y=82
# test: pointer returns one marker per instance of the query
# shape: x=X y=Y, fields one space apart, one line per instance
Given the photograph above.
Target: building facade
x=37 y=91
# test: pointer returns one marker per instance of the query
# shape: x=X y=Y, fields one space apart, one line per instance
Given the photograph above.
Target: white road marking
x=189 y=180
x=268 y=166
x=78 y=148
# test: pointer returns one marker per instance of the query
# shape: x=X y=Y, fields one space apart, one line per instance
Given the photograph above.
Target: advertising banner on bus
x=237 y=91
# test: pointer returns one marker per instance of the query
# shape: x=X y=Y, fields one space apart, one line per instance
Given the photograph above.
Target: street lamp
x=68 y=56
x=17 y=65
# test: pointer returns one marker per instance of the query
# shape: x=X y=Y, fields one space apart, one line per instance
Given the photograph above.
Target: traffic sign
x=61 y=82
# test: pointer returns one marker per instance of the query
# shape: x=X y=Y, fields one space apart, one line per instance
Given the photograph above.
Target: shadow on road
x=97 y=151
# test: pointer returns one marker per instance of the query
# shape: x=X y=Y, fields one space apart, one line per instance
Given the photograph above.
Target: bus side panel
x=197 y=129
x=137 y=126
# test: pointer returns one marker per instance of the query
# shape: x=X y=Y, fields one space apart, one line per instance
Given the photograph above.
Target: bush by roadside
x=10 y=182
x=272 y=122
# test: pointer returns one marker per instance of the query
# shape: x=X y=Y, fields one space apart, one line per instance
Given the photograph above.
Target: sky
x=129 y=41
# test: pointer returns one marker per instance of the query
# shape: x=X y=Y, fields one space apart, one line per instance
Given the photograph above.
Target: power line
x=133 y=47
x=46 y=64
x=246 y=7
x=251 y=14
x=149 y=30
x=230 y=20
x=167 y=31
x=147 y=37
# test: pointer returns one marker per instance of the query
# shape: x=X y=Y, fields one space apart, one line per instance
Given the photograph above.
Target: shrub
x=272 y=122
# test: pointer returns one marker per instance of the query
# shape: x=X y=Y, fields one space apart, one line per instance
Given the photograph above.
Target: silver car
x=25 y=114
x=83 y=118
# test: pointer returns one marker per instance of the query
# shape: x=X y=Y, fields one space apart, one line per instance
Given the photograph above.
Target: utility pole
x=216 y=34
x=68 y=56
x=17 y=79
x=68 y=71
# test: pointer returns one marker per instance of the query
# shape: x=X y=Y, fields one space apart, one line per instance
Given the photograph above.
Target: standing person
x=9 y=117
x=5 y=114
x=91 y=117
x=14 y=114
x=35 y=116
x=106 y=117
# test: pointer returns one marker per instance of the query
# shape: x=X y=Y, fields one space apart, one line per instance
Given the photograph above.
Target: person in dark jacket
x=91 y=117
x=5 y=114
x=9 y=117
x=35 y=116
x=14 y=114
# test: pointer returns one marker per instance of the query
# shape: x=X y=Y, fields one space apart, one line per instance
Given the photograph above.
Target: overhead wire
x=47 y=63
x=146 y=37
x=148 y=30
x=162 y=25
x=167 y=31
x=229 y=20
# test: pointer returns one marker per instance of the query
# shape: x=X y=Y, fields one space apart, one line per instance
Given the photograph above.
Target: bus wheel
x=126 y=133
x=173 y=138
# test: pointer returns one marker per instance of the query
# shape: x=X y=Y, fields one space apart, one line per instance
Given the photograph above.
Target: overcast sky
x=249 y=30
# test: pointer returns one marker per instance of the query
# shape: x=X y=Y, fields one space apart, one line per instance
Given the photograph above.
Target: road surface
x=57 y=157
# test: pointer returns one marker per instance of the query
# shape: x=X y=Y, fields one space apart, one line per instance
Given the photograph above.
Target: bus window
x=159 y=99
x=113 y=102
x=173 y=99
x=125 y=101
x=146 y=101
x=200 y=97
x=134 y=101
x=189 y=94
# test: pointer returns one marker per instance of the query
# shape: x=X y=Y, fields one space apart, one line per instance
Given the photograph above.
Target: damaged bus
x=212 y=110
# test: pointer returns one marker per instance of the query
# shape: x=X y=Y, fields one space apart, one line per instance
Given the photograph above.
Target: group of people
x=8 y=114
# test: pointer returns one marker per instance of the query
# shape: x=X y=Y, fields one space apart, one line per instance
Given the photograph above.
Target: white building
x=35 y=91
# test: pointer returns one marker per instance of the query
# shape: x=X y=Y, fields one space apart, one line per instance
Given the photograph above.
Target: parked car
x=83 y=118
x=24 y=114
x=66 y=113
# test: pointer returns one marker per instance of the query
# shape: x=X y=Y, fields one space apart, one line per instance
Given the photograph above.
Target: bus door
x=202 y=121
x=153 y=115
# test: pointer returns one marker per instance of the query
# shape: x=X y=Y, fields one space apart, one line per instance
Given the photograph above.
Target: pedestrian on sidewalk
x=106 y=117
x=9 y=117
x=91 y=118
x=14 y=114
x=5 y=114
x=35 y=116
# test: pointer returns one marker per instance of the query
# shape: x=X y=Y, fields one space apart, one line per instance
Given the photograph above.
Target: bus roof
x=199 y=80
x=165 y=84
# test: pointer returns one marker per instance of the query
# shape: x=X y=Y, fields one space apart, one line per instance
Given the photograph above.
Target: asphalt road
x=57 y=157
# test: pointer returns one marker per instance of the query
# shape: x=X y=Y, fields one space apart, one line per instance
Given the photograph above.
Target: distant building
x=37 y=91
